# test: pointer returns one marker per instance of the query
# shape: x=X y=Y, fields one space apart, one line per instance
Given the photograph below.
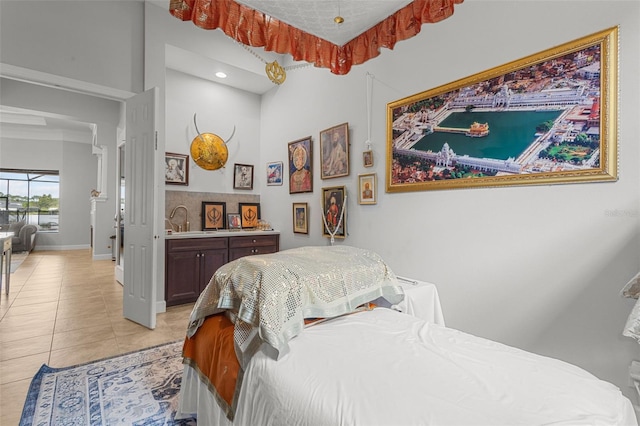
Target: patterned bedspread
x=267 y=297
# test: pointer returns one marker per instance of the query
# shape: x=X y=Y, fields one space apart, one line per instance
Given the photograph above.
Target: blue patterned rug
x=139 y=388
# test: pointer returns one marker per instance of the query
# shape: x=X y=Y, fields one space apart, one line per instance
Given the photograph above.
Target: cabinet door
x=182 y=277
x=211 y=260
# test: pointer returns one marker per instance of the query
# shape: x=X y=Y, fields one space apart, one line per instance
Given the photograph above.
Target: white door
x=140 y=237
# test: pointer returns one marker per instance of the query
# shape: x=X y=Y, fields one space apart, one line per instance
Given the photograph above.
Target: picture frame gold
x=367 y=188
x=300 y=165
x=367 y=158
x=249 y=214
x=214 y=215
x=300 y=218
x=334 y=151
x=333 y=203
x=548 y=118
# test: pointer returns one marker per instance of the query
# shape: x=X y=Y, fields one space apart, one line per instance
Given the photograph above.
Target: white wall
x=536 y=267
x=219 y=108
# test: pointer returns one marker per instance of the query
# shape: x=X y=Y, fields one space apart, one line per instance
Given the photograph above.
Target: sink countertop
x=214 y=234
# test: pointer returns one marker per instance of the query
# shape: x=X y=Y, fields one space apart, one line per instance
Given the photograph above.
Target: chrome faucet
x=185 y=226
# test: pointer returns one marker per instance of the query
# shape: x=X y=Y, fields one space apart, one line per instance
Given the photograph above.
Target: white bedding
x=384 y=367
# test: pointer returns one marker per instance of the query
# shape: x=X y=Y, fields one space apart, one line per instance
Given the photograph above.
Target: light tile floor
x=65 y=309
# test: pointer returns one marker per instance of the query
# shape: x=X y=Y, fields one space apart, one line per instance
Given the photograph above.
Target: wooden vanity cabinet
x=190 y=264
x=252 y=245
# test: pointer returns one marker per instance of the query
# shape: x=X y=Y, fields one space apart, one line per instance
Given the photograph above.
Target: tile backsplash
x=193 y=202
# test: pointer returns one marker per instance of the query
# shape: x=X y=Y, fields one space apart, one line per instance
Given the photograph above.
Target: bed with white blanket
x=308 y=348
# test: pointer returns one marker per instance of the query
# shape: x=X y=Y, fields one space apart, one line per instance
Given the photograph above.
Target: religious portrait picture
x=334 y=151
x=242 y=176
x=274 y=173
x=176 y=169
x=367 y=189
x=300 y=218
x=334 y=220
x=300 y=166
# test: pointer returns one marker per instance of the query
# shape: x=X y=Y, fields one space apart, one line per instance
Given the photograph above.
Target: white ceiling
x=317 y=16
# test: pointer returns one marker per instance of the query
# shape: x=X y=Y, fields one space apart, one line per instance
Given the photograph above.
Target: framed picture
x=300 y=218
x=367 y=158
x=334 y=151
x=367 y=189
x=242 y=176
x=234 y=221
x=214 y=215
x=334 y=207
x=300 y=166
x=249 y=214
x=176 y=169
x=274 y=173
x=548 y=118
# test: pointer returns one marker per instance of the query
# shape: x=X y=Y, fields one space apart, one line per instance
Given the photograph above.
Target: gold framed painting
x=367 y=188
x=300 y=218
x=334 y=151
x=548 y=118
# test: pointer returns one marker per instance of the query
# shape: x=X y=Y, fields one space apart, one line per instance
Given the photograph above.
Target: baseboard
x=161 y=306
x=61 y=248
x=102 y=257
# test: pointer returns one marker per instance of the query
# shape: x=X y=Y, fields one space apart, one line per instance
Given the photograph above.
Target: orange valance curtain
x=253 y=28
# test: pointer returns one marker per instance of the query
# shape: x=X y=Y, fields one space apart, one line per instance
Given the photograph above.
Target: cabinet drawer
x=253 y=241
x=188 y=244
x=237 y=253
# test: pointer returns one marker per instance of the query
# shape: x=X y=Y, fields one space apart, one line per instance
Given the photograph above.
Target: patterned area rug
x=140 y=388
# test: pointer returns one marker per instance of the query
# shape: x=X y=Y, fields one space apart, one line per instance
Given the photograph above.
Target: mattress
x=383 y=367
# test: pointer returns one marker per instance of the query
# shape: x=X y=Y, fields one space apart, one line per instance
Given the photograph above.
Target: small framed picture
x=367 y=158
x=300 y=221
x=176 y=169
x=335 y=212
x=300 y=166
x=234 y=221
x=242 y=176
x=214 y=215
x=334 y=151
x=274 y=173
x=249 y=214
x=367 y=189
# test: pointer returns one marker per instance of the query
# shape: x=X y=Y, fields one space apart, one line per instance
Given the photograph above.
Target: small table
x=5 y=256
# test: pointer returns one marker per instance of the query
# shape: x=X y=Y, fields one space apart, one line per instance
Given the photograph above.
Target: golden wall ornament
x=275 y=72
x=208 y=150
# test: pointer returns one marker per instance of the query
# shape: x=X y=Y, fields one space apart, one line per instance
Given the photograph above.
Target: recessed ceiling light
x=220 y=74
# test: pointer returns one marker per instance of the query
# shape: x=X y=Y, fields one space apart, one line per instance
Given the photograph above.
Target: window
x=30 y=195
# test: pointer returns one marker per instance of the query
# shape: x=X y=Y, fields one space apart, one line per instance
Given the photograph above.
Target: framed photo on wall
x=367 y=189
x=234 y=221
x=548 y=118
x=176 y=169
x=274 y=173
x=333 y=202
x=214 y=215
x=249 y=214
x=242 y=176
x=300 y=218
x=300 y=166
x=367 y=158
x=334 y=151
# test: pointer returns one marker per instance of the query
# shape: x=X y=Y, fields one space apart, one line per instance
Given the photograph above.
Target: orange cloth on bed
x=211 y=352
